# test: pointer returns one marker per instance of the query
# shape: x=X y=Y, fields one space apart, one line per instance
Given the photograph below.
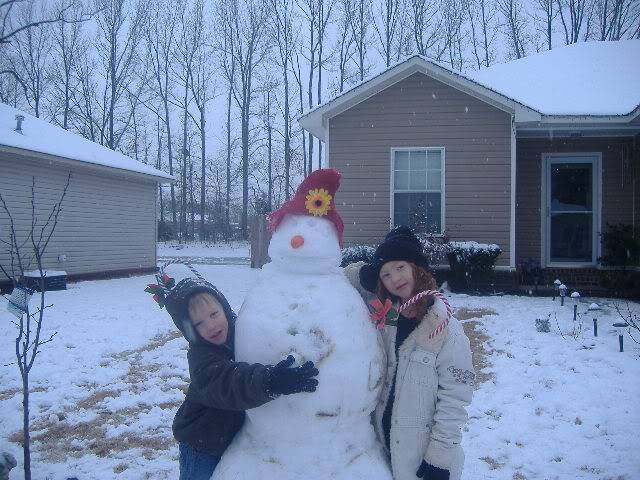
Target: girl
x=429 y=376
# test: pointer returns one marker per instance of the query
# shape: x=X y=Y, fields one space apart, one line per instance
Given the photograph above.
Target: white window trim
x=597 y=209
x=443 y=185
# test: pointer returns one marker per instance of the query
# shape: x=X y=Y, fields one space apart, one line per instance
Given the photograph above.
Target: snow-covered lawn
x=238 y=249
x=106 y=389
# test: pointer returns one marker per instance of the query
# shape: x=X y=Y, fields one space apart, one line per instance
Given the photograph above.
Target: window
x=417 y=188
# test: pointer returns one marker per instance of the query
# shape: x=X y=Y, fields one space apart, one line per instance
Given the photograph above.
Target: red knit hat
x=316 y=197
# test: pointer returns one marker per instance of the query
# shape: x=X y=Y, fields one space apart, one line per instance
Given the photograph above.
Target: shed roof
x=42 y=137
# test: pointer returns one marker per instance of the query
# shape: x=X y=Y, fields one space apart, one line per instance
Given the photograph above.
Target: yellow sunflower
x=318 y=202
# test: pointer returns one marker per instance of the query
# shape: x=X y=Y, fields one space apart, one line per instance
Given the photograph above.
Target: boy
x=221 y=388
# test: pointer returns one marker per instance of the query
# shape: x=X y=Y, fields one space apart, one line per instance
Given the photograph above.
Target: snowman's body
x=303 y=305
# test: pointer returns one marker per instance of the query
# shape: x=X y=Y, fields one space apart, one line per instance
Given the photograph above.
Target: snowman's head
x=305 y=244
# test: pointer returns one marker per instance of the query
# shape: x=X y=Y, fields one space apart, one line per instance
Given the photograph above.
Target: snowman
x=304 y=306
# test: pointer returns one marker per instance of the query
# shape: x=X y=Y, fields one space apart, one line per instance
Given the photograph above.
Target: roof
x=586 y=78
x=558 y=84
x=42 y=137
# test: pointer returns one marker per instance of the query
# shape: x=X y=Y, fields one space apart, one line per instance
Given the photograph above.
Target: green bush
x=471 y=265
x=357 y=253
x=620 y=247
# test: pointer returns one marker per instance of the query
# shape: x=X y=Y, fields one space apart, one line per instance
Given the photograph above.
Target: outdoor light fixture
x=563 y=293
x=557 y=284
x=594 y=307
x=575 y=296
x=620 y=328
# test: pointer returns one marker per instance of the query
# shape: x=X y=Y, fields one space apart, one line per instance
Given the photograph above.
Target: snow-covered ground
x=106 y=389
x=204 y=250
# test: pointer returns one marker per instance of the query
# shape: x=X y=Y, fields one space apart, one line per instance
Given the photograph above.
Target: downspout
x=512 y=225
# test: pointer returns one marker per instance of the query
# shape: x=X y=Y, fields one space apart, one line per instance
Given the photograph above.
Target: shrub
x=472 y=265
x=356 y=253
x=620 y=247
x=435 y=248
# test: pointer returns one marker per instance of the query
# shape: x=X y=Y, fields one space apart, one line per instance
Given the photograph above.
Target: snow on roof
x=586 y=78
x=43 y=137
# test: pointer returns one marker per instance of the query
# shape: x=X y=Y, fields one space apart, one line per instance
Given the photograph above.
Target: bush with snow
x=357 y=253
x=472 y=265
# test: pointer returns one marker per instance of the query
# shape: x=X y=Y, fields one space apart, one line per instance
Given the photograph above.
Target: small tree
x=23 y=253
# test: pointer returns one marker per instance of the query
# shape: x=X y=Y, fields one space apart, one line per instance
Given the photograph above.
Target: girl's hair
x=200 y=300
x=424 y=281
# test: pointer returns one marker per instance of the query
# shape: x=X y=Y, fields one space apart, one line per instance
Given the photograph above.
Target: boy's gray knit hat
x=177 y=303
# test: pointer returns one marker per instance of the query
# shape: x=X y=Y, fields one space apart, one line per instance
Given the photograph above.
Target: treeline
x=209 y=90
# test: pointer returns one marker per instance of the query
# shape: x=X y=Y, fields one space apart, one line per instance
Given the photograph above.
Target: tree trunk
x=287 y=133
x=228 y=192
x=26 y=437
x=202 y=169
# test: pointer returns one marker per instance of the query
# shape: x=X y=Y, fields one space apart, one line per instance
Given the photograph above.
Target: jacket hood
x=177 y=303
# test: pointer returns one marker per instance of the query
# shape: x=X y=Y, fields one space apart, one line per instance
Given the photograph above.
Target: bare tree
x=618 y=19
x=427 y=28
x=10 y=27
x=325 y=8
x=514 y=17
x=200 y=75
x=311 y=12
x=119 y=26
x=453 y=17
x=284 y=41
x=67 y=41
x=297 y=73
x=483 y=31
x=386 y=27
x=246 y=24
x=267 y=122
x=161 y=44
x=185 y=53
x=30 y=57
x=574 y=14
x=25 y=247
x=344 y=45
x=85 y=100
x=359 y=21
x=549 y=14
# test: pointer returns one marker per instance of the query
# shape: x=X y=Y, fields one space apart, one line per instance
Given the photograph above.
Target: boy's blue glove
x=284 y=380
x=429 y=472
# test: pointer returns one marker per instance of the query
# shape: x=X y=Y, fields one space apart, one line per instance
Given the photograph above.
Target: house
x=108 y=222
x=536 y=155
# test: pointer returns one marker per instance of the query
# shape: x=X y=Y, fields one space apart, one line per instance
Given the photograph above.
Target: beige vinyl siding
x=422 y=112
x=617 y=188
x=107 y=221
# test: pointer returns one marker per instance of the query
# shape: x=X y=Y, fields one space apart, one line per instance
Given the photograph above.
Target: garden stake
x=621 y=341
x=595 y=327
x=575 y=312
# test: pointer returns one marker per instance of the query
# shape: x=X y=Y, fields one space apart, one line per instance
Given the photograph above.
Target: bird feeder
x=19 y=300
x=557 y=284
x=575 y=296
x=594 y=307
x=620 y=328
x=563 y=293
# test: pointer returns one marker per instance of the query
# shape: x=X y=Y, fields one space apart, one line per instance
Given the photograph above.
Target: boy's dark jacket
x=221 y=389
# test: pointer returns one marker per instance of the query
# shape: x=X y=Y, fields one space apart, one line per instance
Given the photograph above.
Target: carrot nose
x=297 y=241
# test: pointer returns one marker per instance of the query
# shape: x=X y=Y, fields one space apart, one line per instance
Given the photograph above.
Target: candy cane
x=434 y=293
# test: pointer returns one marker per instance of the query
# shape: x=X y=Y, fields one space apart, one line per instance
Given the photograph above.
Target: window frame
x=392 y=190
